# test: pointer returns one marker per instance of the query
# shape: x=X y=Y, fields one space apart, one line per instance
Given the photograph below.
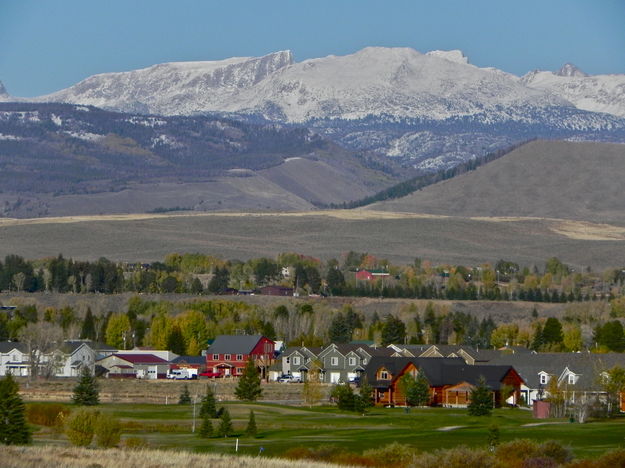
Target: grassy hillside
x=398 y=237
x=553 y=179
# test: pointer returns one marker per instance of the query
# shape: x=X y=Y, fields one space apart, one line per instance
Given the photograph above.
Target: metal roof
x=234 y=344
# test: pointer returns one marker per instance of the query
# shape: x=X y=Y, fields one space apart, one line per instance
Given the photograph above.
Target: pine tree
x=418 y=393
x=248 y=388
x=206 y=429
x=365 y=397
x=185 y=396
x=481 y=398
x=225 y=424
x=175 y=341
x=13 y=427
x=251 y=429
x=86 y=391
x=208 y=408
x=88 y=327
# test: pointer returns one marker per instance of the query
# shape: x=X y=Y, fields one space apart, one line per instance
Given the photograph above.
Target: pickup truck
x=182 y=374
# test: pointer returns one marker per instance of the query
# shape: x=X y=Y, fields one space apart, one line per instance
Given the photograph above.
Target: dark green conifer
x=88 y=327
x=209 y=407
x=225 y=424
x=13 y=427
x=251 y=430
x=206 y=429
x=185 y=396
x=481 y=403
x=86 y=391
x=248 y=388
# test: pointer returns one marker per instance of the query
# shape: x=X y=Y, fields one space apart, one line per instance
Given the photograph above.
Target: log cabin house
x=451 y=380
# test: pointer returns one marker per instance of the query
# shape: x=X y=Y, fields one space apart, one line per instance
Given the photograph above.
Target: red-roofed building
x=370 y=275
x=136 y=365
x=229 y=353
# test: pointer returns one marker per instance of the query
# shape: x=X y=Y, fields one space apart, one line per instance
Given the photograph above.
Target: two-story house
x=451 y=380
x=14 y=359
x=228 y=354
x=578 y=374
x=336 y=363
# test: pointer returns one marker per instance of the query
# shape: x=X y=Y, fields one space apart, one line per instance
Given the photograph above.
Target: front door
x=335 y=377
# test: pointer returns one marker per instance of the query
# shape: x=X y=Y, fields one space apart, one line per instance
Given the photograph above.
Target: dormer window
x=571 y=379
x=384 y=375
x=544 y=378
x=296 y=360
x=352 y=361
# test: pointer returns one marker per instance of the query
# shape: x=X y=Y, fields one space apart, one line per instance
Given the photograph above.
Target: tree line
x=195 y=273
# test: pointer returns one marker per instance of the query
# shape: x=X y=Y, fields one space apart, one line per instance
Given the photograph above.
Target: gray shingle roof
x=439 y=371
x=7 y=346
x=234 y=344
x=587 y=365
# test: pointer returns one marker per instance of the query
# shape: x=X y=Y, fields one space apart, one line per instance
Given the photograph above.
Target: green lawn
x=283 y=427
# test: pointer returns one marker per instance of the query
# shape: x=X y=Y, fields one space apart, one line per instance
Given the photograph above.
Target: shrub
x=554 y=450
x=46 y=414
x=514 y=452
x=135 y=443
x=461 y=457
x=107 y=431
x=79 y=427
x=394 y=454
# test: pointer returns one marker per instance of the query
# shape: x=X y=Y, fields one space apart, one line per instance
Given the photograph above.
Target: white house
x=13 y=359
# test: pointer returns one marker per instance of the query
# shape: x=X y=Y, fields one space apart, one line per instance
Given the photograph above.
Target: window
x=215 y=357
x=227 y=357
x=334 y=361
x=571 y=378
x=239 y=370
x=352 y=361
x=544 y=378
x=296 y=360
x=239 y=357
x=383 y=375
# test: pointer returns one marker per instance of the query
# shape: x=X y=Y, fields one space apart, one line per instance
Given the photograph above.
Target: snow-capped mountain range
x=395 y=101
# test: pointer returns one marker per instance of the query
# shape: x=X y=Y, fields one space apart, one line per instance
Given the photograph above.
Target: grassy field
x=284 y=427
x=395 y=236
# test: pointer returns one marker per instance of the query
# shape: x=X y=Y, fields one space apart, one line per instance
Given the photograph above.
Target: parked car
x=289 y=379
x=210 y=375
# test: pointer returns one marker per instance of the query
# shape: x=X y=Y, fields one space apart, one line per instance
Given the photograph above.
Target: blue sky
x=49 y=45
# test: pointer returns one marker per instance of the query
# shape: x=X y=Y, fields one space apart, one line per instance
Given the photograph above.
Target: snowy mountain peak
x=451 y=55
x=568 y=69
x=3 y=91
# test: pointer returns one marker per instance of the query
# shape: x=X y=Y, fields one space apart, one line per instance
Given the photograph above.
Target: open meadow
x=399 y=237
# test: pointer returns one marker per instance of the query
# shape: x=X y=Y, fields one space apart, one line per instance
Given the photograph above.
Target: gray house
x=336 y=363
x=578 y=374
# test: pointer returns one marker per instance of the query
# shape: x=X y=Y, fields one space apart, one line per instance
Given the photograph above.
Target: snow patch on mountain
x=451 y=55
x=173 y=88
x=595 y=93
x=568 y=69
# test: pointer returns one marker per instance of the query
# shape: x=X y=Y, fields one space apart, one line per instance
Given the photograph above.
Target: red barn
x=229 y=353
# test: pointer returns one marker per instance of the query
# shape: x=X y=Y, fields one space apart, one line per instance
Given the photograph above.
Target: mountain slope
x=579 y=181
x=66 y=159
